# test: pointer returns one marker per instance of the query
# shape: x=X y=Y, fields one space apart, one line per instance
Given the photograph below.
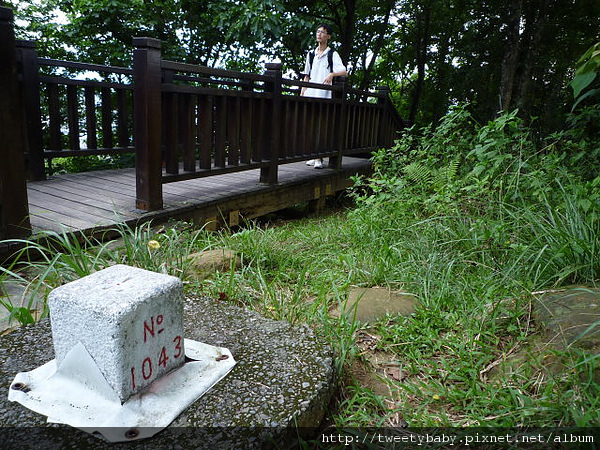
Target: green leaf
x=592 y=52
x=584 y=96
x=23 y=315
x=580 y=82
x=590 y=66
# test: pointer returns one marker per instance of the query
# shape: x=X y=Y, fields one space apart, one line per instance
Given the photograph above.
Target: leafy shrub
x=88 y=163
x=526 y=206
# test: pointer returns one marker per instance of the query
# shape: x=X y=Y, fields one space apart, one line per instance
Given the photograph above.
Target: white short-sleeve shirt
x=319 y=71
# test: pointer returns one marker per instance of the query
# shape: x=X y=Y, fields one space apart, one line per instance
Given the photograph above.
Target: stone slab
x=571 y=316
x=206 y=263
x=130 y=320
x=371 y=304
x=279 y=389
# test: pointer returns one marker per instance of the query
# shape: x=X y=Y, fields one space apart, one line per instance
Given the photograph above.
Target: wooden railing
x=68 y=116
x=218 y=121
x=182 y=121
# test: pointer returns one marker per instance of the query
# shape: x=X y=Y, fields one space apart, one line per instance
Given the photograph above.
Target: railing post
x=147 y=123
x=268 y=174
x=384 y=136
x=27 y=54
x=14 y=204
x=339 y=140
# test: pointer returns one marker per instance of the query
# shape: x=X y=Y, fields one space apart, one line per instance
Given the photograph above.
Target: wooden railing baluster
x=122 y=131
x=206 y=131
x=54 y=118
x=91 y=122
x=302 y=130
x=233 y=132
x=246 y=131
x=107 y=119
x=30 y=82
x=221 y=131
x=170 y=128
x=258 y=128
x=188 y=141
x=73 y=117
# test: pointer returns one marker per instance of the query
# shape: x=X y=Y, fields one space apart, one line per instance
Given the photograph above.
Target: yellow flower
x=436 y=397
x=153 y=245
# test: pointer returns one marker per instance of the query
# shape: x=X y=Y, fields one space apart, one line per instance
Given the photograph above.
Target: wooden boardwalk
x=93 y=202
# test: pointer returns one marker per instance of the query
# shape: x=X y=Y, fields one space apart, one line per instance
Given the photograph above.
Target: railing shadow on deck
x=181 y=121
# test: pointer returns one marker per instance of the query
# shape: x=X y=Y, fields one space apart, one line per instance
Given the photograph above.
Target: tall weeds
x=471 y=219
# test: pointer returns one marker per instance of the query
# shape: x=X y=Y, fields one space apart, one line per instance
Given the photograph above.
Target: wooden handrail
x=46 y=79
x=84 y=66
x=211 y=71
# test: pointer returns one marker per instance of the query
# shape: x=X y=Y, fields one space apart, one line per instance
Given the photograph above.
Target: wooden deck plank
x=52 y=222
x=101 y=202
x=97 y=199
x=105 y=182
x=77 y=212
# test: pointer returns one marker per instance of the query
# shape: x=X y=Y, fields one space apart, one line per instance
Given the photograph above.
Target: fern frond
x=418 y=173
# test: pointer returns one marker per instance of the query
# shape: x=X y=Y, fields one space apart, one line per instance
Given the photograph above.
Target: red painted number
x=147 y=368
x=163 y=359
x=177 y=342
x=133 y=378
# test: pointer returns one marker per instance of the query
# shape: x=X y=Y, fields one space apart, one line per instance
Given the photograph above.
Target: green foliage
x=88 y=163
x=525 y=204
x=494 y=55
x=584 y=130
x=467 y=163
x=431 y=54
x=515 y=215
x=586 y=74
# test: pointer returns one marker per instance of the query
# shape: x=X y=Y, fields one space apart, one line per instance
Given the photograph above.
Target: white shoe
x=318 y=163
x=310 y=162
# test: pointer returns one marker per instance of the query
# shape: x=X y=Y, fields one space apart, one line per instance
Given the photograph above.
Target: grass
x=474 y=308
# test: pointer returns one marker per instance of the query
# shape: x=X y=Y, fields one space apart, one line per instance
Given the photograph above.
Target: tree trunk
x=511 y=54
x=347 y=27
x=378 y=46
x=439 y=108
x=422 y=39
x=536 y=18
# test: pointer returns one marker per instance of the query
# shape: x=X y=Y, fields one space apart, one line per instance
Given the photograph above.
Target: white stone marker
x=130 y=321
